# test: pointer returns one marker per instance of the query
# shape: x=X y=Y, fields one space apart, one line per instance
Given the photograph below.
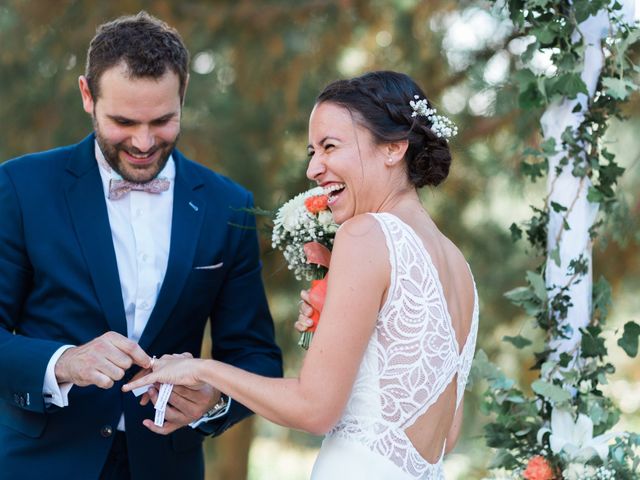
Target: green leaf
x=565 y=359
x=567 y=85
x=591 y=344
x=548 y=390
x=516 y=232
x=555 y=255
x=519 y=294
x=534 y=170
x=518 y=341
x=629 y=339
x=539 y=287
x=483 y=369
x=601 y=297
x=584 y=9
x=545 y=33
x=504 y=459
x=549 y=146
x=594 y=195
x=530 y=51
x=618 y=88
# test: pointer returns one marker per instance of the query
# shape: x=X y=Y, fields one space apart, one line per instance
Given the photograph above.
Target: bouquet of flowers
x=304 y=231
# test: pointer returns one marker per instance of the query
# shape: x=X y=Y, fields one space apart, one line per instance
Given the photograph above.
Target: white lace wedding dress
x=413 y=355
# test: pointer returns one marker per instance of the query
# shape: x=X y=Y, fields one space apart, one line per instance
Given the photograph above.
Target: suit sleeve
x=242 y=330
x=23 y=360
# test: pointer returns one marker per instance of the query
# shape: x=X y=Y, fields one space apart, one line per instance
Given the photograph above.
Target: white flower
x=578 y=471
x=575 y=439
x=585 y=386
x=294 y=225
x=325 y=218
x=289 y=214
x=441 y=125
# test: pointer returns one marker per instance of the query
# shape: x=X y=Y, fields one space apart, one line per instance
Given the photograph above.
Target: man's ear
x=396 y=150
x=184 y=93
x=87 y=99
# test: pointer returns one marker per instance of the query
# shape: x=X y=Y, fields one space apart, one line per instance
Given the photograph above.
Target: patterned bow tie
x=119 y=188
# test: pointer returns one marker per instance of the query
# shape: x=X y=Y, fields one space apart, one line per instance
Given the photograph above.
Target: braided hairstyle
x=380 y=102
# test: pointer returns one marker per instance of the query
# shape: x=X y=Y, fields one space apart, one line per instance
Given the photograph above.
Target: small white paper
x=163 y=396
x=159 y=419
x=161 y=404
x=140 y=390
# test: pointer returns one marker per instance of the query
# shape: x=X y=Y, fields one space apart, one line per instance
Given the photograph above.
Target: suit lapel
x=88 y=208
x=188 y=213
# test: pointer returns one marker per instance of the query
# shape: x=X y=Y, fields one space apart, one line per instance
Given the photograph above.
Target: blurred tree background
x=256 y=68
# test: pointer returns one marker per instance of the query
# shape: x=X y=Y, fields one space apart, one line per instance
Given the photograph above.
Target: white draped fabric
x=571 y=192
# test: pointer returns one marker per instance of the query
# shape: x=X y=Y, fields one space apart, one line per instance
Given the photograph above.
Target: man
x=113 y=250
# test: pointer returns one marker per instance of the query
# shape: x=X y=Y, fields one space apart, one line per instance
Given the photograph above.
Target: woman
x=387 y=367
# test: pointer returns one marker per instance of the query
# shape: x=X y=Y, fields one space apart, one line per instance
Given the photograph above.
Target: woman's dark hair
x=147 y=45
x=380 y=102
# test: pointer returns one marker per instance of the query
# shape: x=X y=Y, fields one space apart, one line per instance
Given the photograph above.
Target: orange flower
x=316 y=204
x=538 y=468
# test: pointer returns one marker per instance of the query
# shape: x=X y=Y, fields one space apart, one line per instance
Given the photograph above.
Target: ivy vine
x=553 y=28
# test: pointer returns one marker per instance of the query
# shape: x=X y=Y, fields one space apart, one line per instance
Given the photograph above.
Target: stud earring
x=390 y=161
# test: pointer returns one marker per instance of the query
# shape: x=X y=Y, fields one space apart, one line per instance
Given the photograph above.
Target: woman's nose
x=315 y=168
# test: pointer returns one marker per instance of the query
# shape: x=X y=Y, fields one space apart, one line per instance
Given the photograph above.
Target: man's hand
x=186 y=403
x=101 y=362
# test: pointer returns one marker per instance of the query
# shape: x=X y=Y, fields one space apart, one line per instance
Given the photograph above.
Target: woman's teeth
x=333 y=188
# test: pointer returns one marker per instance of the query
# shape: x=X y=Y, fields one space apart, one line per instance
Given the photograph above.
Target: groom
x=112 y=250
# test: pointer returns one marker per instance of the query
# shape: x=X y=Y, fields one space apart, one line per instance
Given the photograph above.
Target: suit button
x=106 y=431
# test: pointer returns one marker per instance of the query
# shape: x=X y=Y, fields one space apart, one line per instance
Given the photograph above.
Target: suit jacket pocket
x=25 y=422
x=186 y=439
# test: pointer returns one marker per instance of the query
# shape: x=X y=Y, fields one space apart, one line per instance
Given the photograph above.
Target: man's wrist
x=54 y=390
x=218 y=410
x=220 y=404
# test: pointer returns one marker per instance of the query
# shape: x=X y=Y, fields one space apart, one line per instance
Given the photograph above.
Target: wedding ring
x=153 y=360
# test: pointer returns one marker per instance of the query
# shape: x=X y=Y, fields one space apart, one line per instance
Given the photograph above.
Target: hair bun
x=430 y=165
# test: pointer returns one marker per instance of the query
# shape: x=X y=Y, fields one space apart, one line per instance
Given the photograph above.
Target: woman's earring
x=390 y=161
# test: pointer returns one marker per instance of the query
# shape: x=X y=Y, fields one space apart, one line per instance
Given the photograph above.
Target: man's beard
x=111 y=156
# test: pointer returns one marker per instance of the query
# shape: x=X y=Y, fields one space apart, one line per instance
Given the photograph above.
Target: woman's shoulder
x=360 y=258
x=361 y=230
x=360 y=239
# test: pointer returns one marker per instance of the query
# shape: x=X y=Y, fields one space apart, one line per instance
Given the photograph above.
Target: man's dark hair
x=147 y=45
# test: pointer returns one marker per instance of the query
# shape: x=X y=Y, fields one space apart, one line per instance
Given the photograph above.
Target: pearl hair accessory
x=441 y=125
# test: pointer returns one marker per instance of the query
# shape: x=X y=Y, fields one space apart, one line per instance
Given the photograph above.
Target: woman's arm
x=359 y=276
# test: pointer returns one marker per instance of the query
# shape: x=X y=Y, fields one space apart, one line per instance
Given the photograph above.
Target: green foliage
x=567 y=379
x=552 y=393
x=629 y=339
x=592 y=344
x=518 y=341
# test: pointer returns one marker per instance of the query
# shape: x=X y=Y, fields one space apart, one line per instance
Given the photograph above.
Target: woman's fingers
x=305 y=310
x=304 y=295
x=303 y=323
x=140 y=382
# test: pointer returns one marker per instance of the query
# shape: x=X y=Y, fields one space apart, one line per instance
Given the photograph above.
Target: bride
x=385 y=374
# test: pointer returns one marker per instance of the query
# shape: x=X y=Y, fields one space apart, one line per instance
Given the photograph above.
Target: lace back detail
x=411 y=358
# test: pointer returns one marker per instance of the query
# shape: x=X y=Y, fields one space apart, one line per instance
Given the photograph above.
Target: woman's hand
x=304 y=312
x=176 y=369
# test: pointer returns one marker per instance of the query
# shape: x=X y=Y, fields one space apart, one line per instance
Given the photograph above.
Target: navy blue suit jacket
x=59 y=285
